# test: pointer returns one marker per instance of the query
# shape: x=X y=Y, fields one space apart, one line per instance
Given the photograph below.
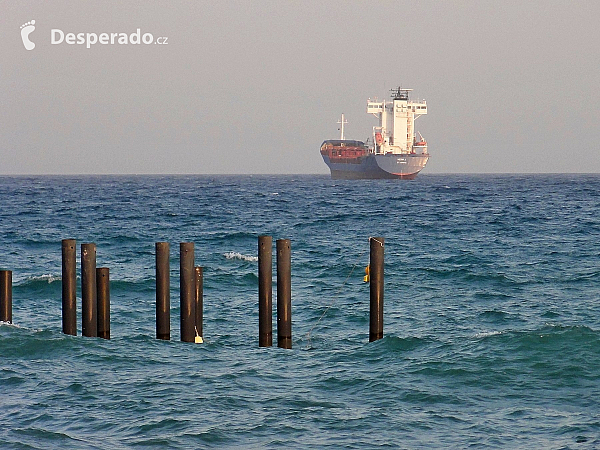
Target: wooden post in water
x=6 y=296
x=69 y=287
x=199 y=304
x=187 y=286
x=89 y=299
x=103 y=296
x=284 y=293
x=163 y=292
x=376 y=288
x=265 y=291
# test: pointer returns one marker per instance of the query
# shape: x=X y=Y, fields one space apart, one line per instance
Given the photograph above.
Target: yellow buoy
x=366 y=278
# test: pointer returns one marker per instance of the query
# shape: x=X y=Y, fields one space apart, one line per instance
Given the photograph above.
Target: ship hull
x=391 y=166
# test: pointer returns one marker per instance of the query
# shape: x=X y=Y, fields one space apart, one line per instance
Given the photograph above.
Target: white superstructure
x=396 y=131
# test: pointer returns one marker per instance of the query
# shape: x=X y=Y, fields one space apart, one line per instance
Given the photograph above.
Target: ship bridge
x=395 y=133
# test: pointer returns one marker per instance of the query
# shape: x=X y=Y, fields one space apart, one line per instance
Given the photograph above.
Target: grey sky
x=256 y=86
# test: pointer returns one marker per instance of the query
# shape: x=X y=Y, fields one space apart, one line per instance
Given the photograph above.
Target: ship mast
x=342 y=122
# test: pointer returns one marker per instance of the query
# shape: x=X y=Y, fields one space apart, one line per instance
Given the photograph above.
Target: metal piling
x=265 y=291
x=163 y=293
x=199 y=306
x=376 y=288
x=284 y=294
x=187 y=286
x=89 y=299
x=6 y=296
x=103 y=298
x=69 y=286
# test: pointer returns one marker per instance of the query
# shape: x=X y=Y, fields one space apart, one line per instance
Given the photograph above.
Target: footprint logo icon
x=26 y=30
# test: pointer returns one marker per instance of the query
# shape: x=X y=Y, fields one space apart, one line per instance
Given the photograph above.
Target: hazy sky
x=256 y=86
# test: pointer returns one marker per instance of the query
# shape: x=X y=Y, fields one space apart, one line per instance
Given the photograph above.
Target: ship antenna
x=342 y=122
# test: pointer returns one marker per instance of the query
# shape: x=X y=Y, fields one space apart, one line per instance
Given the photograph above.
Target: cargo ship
x=393 y=150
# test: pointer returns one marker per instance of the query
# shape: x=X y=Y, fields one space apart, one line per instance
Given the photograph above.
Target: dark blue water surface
x=492 y=314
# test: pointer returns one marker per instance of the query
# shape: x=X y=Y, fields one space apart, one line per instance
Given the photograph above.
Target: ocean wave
x=551 y=339
x=14 y=325
x=40 y=279
x=139 y=284
x=446 y=188
x=485 y=334
x=237 y=255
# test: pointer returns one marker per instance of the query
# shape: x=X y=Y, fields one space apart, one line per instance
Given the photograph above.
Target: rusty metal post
x=284 y=293
x=6 y=296
x=199 y=306
x=103 y=295
x=89 y=299
x=376 y=288
x=187 y=286
x=163 y=292
x=69 y=286
x=265 y=291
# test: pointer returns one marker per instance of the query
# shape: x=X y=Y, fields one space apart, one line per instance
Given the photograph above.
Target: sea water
x=491 y=314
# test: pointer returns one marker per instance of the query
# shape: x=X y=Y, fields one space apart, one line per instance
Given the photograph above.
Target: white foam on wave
x=14 y=325
x=47 y=277
x=237 y=255
x=485 y=334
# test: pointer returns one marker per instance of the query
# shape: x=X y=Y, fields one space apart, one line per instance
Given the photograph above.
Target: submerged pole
x=284 y=294
x=199 y=306
x=69 y=286
x=265 y=291
x=89 y=299
x=103 y=295
x=163 y=292
x=187 y=286
x=376 y=288
x=6 y=296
